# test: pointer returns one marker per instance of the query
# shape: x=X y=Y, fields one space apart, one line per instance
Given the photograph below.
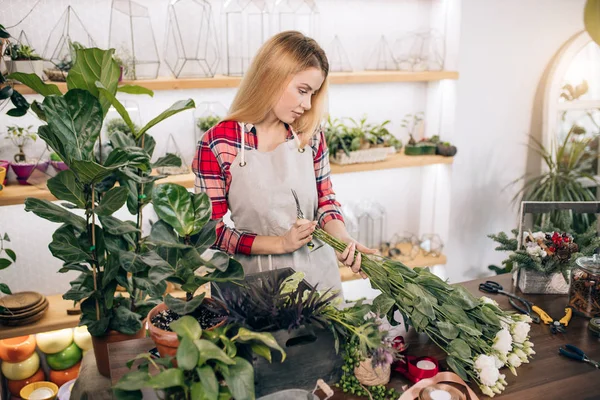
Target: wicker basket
x=363 y=156
x=534 y=282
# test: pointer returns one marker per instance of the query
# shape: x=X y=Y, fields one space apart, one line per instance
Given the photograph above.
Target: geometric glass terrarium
x=207 y=115
x=296 y=15
x=132 y=37
x=381 y=58
x=191 y=46
x=338 y=59
x=173 y=148
x=420 y=51
x=113 y=122
x=246 y=29
x=68 y=30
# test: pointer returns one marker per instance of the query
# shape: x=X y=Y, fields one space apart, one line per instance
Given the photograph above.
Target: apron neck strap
x=243 y=134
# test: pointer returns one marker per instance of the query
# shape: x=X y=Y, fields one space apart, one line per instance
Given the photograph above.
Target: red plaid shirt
x=216 y=152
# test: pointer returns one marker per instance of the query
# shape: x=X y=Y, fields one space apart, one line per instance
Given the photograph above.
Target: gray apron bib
x=261 y=201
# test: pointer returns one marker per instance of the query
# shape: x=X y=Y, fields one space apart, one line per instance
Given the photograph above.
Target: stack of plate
x=22 y=308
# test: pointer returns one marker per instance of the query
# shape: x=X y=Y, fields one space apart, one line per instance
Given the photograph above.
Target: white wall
x=505 y=47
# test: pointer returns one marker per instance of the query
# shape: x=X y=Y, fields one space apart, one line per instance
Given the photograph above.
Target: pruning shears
x=555 y=326
x=300 y=215
x=525 y=307
x=577 y=354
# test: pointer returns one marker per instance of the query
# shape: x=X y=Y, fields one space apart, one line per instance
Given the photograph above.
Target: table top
x=548 y=376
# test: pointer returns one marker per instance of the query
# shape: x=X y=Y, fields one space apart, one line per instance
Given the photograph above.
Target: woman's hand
x=351 y=259
x=297 y=236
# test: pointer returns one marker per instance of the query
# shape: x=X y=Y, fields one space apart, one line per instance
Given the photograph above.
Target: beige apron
x=261 y=201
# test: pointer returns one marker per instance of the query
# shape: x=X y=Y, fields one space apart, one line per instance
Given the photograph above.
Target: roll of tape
x=594 y=326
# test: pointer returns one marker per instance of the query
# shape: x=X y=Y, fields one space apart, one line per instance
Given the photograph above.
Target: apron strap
x=297 y=140
x=243 y=129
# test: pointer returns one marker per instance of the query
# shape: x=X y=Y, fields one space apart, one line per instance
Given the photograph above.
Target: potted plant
x=412 y=124
x=7 y=258
x=22 y=166
x=205 y=123
x=207 y=365
x=110 y=253
x=2 y=177
x=23 y=58
x=181 y=236
x=445 y=149
x=59 y=73
x=546 y=257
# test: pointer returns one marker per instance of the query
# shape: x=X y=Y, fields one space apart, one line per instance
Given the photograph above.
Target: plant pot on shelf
x=56 y=75
x=534 y=282
x=445 y=150
x=167 y=342
x=427 y=148
x=101 y=347
x=374 y=154
x=2 y=177
x=4 y=164
x=24 y=170
x=59 y=166
x=412 y=150
x=26 y=67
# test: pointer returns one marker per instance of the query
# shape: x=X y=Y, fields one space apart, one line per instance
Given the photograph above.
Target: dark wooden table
x=547 y=377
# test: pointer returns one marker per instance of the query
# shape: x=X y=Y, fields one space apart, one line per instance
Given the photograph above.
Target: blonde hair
x=275 y=64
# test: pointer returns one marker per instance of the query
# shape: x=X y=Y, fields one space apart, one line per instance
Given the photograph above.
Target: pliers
x=577 y=354
x=555 y=326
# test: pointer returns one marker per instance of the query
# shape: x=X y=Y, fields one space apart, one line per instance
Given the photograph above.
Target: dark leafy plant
x=209 y=365
x=20 y=52
x=7 y=90
x=5 y=262
x=357 y=135
x=111 y=253
x=181 y=236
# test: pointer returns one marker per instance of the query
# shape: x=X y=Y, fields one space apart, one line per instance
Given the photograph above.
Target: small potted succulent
x=22 y=166
x=24 y=59
x=445 y=149
x=414 y=123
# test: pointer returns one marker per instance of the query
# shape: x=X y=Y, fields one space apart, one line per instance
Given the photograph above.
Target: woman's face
x=297 y=97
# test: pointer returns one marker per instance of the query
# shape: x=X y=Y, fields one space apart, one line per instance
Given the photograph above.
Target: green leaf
x=469 y=330
x=424 y=306
x=66 y=246
x=240 y=379
x=202 y=211
x=112 y=201
x=462 y=298
x=261 y=350
x=6 y=92
x=447 y=329
x=125 y=321
x=81 y=288
x=127 y=394
x=115 y=226
x=173 y=204
x=168 y=160
x=5 y=263
x=17 y=112
x=591 y=19
x=210 y=351
x=206 y=237
x=235 y=272
x=135 y=89
x=128 y=157
x=74 y=122
x=489 y=316
x=457 y=367
x=54 y=213
x=460 y=349
x=34 y=82
x=4 y=288
x=187 y=354
x=244 y=335
x=187 y=327
x=169 y=378
x=138 y=262
x=162 y=234
x=179 y=106
x=383 y=303
x=183 y=307
x=11 y=254
x=197 y=391
x=92 y=65
x=38 y=109
x=111 y=269
x=65 y=186
x=209 y=382
x=419 y=320
x=120 y=139
x=134 y=380
x=109 y=96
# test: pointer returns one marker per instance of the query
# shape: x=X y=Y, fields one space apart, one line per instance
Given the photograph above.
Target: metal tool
x=496 y=288
x=555 y=326
x=577 y=354
x=300 y=215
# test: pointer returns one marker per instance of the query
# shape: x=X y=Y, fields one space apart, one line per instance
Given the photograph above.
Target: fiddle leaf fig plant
x=104 y=249
x=181 y=236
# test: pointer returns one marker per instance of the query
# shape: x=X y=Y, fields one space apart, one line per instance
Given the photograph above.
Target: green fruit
x=64 y=359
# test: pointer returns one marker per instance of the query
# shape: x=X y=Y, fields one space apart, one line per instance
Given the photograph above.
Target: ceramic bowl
x=64 y=393
x=66 y=375
x=64 y=359
x=54 y=341
x=21 y=370
x=82 y=338
x=39 y=391
x=17 y=349
x=14 y=387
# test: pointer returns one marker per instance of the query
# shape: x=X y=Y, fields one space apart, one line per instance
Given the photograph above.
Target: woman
x=269 y=145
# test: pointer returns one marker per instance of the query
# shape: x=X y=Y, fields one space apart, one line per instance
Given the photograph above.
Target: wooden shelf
x=420 y=261
x=222 y=81
x=16 y=194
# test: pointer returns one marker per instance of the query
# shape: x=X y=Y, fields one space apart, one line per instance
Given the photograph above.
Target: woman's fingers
x=356 y=264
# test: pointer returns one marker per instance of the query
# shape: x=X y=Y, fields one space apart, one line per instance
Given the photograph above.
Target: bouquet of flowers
x=477 y=335
x=548 y=251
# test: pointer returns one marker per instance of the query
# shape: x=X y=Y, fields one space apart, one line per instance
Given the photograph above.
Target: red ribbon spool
x=408 y=368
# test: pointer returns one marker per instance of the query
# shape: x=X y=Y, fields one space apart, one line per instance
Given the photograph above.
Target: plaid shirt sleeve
x=216 y=151
x=329 y=209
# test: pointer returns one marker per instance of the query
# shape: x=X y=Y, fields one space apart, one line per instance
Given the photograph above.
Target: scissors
x=300 y=215
x=577 y=354
x=496 y=288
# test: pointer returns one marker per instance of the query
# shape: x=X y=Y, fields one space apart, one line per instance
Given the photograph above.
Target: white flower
x=498 y=363
x=520 y=331
x=539 y=235
x=502 y=379
x=521 y=354
x=487 y=391
x=489 y=376
x=533 y=250
x=503 y=341
x=514 y=360
x=543 y=253
x=483 y=362
x=487 y=300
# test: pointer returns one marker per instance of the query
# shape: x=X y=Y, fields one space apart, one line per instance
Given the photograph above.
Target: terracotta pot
x=14 y=387
x=64 y=376
x=167 y=342
x=101 y=347
x=17 y=349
